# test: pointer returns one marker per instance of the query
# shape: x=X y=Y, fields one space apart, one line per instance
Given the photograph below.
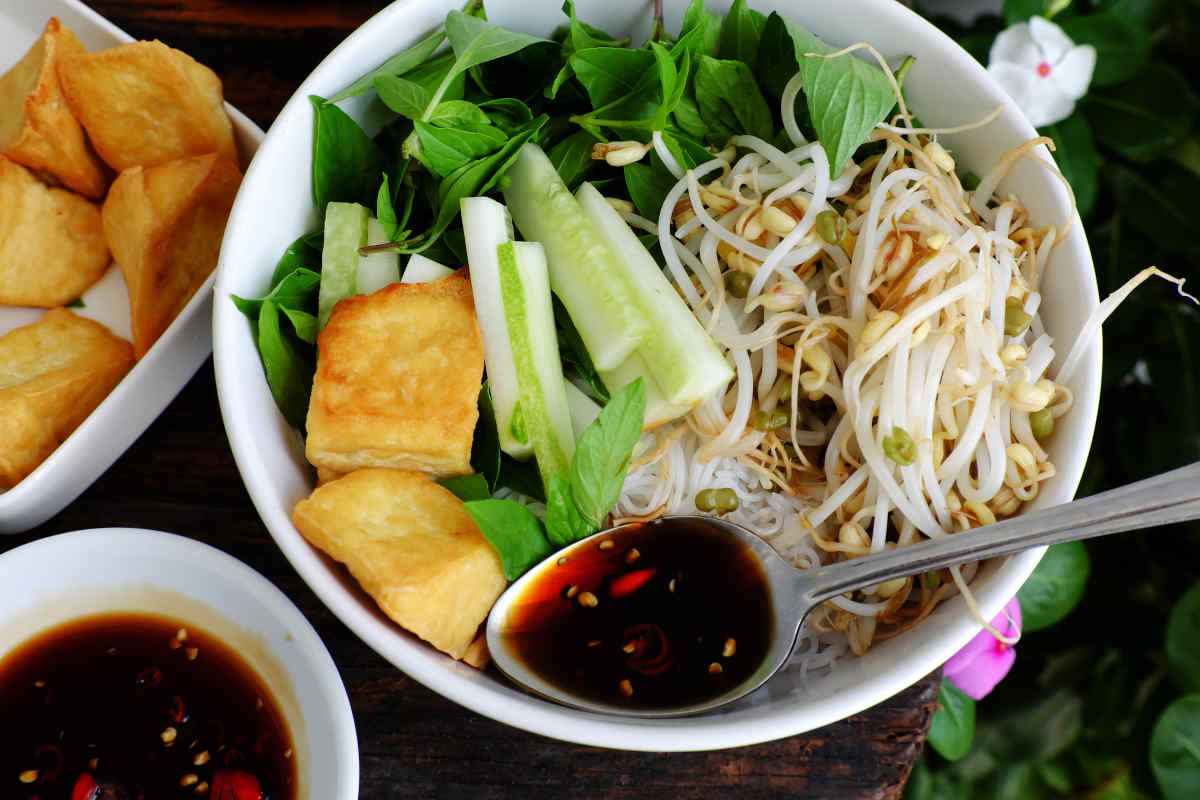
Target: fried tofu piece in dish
x=145 y=104
x=413 y=547
x=51 y=241
x=37 y=128
x=165 y=225
x=397 y=381
x=53 y=373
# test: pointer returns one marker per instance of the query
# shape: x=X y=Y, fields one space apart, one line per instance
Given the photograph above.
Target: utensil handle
x=1168 y=498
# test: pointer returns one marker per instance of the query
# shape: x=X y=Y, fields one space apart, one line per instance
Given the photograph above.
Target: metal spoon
x=1165 y=499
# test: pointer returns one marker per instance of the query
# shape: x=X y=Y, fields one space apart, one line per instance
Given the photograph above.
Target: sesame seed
x=201 y=759
x=730 y=648
x=201 y=787
x=168 y=735
x=112 y=651
x=287 y=753
x=258 y=704
x=93 y=763
x=28 y=776
x=191 y=653
x=715 y=669
x=40 y=684
x=607 y=544
x=191 y=779
x=562 y=562
x=671 y=585
x=572 y=590
x=632 y=556
x=626 y=688
x=588 y=600
x=594 y=643
x=181 y=634
x=629 y=647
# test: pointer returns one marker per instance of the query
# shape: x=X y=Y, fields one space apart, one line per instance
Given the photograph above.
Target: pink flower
x=985 y=660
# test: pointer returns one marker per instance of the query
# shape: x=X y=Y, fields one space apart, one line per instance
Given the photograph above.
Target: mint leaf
x=289 y=375
x=397 y=65
x=346 y=164
x=730 y=101
x=513 y=531
x=476 y=41
x=444 y=150
x=457 y=113
x=609 y=73
x=406 y=98
x=564 y=523
x=297 y=291
x=385 y=211
x=603 y=453
x=701 y=29
x=468 y=487
x=740 y=33
x=648 y=186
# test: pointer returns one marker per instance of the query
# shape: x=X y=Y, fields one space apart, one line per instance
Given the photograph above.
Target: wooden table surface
x=181 y=477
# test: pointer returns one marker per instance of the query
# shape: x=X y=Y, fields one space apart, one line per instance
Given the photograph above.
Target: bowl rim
x=499 y=701
x=272 y=600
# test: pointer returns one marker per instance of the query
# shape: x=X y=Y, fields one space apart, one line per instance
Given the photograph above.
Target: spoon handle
x=1168 y=498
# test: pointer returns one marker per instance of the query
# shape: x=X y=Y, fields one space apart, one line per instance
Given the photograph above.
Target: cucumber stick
x=584 y=409
x=345 y=232
x=525 y=289
x=582 y=266
x=659 y=409
x=679 y=353
x=377 y=270
x=486 y=226
x=424 y=270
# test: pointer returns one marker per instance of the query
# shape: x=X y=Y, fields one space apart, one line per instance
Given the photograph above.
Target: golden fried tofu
x=413 y=547
x=165 y=225
x=397 y=383
x=145 y=104
x=51 y=241
x=37 y=128
x=53 y=373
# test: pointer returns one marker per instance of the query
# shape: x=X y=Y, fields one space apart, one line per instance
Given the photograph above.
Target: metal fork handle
x=1162 y=500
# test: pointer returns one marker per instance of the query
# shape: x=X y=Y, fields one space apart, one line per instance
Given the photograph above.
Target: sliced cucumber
x=377 y=270
x=345 y=232
x=486 y=226
x=679 y=353
x=424 y=270
x=582 y=266
x=659 y=410
x=546 y=417
x=584 y=409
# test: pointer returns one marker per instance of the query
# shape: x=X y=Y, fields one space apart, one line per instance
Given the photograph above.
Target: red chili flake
x=149 y=678
x=176 y=710
x=630 y=582
x=85 y=787
x=233 y=784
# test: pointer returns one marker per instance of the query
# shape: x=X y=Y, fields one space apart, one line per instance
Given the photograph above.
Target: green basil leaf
x=513 y=531
x=458 y=113
x=507 y=113
x=1145 y=116
x=581 y=36
x=346 y=164
x=303 y=323
x=476 y=41
x=289 y=375
x=740 y=34
x=1075 y=153
x=304 y=253
x=603 y=452
x=434 y=73
x=468 y=487
x=687 y=115
x=444 y=150
x=1122 y=47
x=648 y=186
x=953 y=727
x=406 y=98
x=1055 y=587
x=572 y=157
x=669 y=81
x=776 y=62
x=385 y=211
x=686 y=150
x=1183 y=640
x=564 y=523
x=847 y=97
x=1175 y=749
x=522 y=477
x=485 y=446
x=395 y=66
x=609 y=73
x=730 y=101
x=296 y=291
x=701 y=28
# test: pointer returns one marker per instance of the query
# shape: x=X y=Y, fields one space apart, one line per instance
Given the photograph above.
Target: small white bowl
x=162 y=373
x=62 y=578
x=946 y=87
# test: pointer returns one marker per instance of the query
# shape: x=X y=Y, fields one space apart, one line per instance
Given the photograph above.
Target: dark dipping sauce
x=133 y=706
x=682 y=615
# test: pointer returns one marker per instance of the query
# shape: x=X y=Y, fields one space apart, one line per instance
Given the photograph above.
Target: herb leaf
x=603 y=452
x=345 y=164
x=608 y=73
x=485 y=446
x=740 y=33
x=514 y=532
x=564 y=523
x=444 y=150
x=468 y=487
x=476 y=41
x=648 y=186
x=395 y=66
x=289 y=376
x=296 y=291
x=730 y=101
x=405 y=97
x=455 y=113
x=572 y=158
x=701 y=29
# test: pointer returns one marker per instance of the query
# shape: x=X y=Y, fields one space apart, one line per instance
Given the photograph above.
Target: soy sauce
x=136 y=706
x=680 y=615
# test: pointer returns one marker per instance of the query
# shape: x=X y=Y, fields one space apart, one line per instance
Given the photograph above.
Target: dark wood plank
x=180 y=476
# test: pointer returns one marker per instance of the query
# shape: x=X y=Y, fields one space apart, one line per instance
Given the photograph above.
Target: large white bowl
x=946 y=87
x=60 y=579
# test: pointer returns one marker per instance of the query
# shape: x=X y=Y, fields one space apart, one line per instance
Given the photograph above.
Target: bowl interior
x=65 y=577
x=946 y=87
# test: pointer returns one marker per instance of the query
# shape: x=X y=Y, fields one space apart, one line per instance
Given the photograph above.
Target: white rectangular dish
x=173 y=359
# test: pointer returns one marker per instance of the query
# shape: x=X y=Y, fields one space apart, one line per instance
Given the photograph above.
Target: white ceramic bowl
x=946 y=87
x=73 y=575
x=157 y=378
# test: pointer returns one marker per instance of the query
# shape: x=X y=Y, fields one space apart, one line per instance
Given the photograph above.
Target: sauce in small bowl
x=657 y=615
x=130 y=706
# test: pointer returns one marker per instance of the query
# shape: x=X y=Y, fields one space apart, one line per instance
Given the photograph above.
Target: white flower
x=1042 y=69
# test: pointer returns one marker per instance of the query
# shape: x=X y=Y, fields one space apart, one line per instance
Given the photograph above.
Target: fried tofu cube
x=165 y=225
x=53 y=374
x=51 y=241
x=397 y=382
x=145 y=104
x=413 y=547
x=37 y=128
